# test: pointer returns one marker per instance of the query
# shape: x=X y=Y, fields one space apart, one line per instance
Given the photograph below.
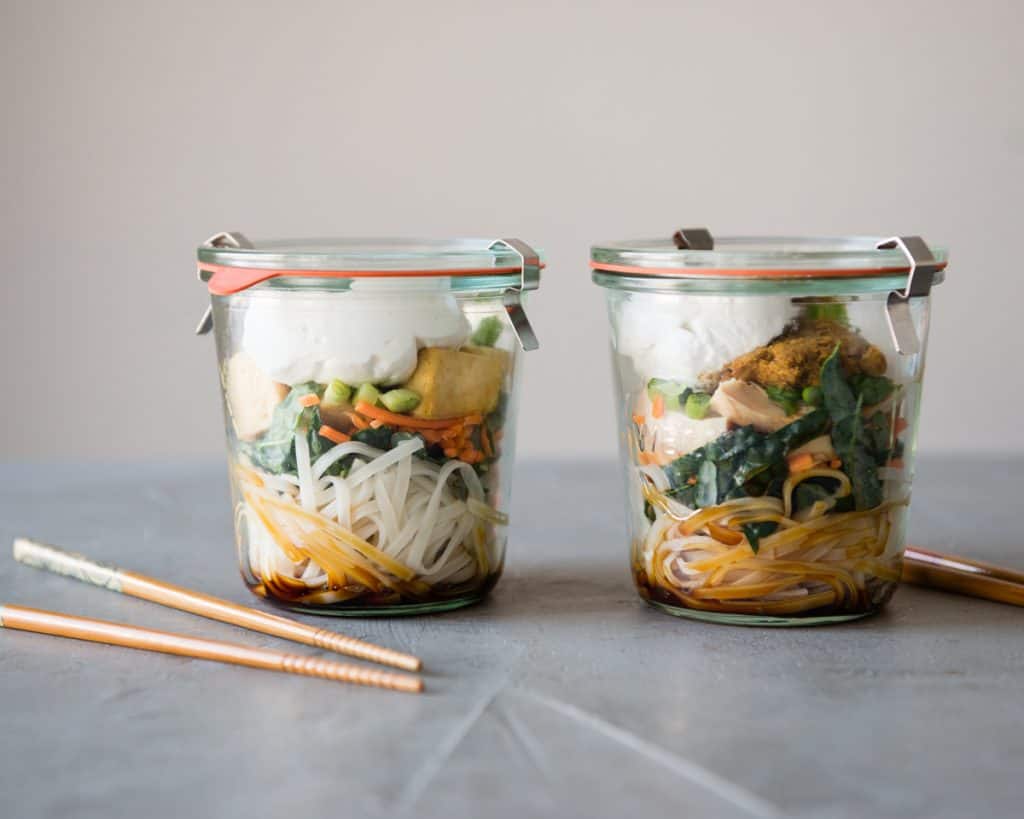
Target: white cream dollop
x=370 y=334
x=683 y=337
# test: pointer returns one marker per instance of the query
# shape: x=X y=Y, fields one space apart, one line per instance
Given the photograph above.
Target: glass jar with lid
x=767 y=395
x=370 y=391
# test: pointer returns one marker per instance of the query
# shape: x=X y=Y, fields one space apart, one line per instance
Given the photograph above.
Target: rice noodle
x=306 y=488
x=823 y=560
x=396 y=523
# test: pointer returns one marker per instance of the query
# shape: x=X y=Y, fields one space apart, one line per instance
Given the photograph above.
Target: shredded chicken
x=746 y=404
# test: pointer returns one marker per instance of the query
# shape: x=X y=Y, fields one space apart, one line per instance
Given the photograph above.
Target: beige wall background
x=131 y=131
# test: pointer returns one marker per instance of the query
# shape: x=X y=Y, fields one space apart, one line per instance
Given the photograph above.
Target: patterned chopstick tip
x=366 y=651
x=342 y=672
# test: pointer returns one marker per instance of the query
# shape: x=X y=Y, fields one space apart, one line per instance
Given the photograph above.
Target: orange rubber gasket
x=226 y=279
x=766 y=273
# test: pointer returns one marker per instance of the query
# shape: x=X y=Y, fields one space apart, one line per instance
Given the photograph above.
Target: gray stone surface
x=564 y=695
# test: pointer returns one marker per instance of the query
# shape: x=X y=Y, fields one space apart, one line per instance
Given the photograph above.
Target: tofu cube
x=251 y=396
x=452 y=383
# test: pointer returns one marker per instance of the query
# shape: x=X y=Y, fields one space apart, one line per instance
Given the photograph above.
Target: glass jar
x=767 y=400
x=370 y=393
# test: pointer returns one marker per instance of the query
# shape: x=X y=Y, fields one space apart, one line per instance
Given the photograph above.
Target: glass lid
x=230 y=262
x=757 y=257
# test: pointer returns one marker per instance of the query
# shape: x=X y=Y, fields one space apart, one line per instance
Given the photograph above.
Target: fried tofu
x=251 y=396
x=452 y=383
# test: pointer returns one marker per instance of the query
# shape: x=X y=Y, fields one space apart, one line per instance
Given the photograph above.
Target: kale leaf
x=872 y=389
x=739 y=462
x=854 y=444
x=275 y=449
x=756 y=531
x=808 y=493
x=379 y=438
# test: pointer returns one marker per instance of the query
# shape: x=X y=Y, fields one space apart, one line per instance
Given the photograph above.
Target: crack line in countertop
x=426 y=773
x=526 y=741
x=696 y=773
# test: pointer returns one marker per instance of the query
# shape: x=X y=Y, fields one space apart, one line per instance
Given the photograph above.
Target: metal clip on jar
x=370 y=400
x=768 y=396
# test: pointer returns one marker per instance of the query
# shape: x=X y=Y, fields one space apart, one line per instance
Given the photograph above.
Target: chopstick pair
x=43 y=556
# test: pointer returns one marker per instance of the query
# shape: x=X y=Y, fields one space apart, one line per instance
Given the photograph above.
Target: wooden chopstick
x=102 y=631
x=961 y=575
x=44 y=556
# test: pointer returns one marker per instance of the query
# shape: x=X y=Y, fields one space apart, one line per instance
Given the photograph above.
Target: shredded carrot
x=900 y=425
x=332 y=434
x=724 y=535
x=474 y=419
x=450 y=452
x=835 y=463
x=485 y=442
x=658 y=406
x=450 y=434
x=431 y=436
x=357 y=420
x=638 y=419
x=896 y=463
x=375 y=424
x=394 y=419
x=309 y=400
x=650 y=457
x=801 y=462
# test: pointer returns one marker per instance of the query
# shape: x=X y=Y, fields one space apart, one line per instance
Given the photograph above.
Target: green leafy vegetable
x=852 y=441
x=379 y=438
x=487 y=332
x=745 y=462
x=808 y=493
x=275 y=450
x=756 y=531
x=872 y=389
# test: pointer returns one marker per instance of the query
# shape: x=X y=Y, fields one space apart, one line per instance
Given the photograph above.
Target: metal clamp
x=512 y=298
x=923 y=267
x=693 y=239
x=222 y=239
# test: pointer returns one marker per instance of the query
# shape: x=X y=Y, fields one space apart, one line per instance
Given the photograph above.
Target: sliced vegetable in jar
x=812 y=396
x=788 y=399
x=400 y=400
x=487 y=332
x=338 y=393
x=697 y=405
x=368 y=394
x=672 y=394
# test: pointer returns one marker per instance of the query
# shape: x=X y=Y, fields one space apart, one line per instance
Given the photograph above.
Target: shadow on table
x=913 y=608
x=564 y=588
